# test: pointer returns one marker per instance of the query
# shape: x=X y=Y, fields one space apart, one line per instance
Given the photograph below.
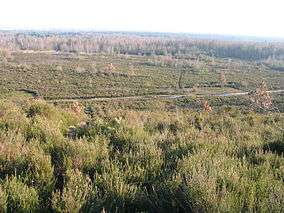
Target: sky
x=231 y=17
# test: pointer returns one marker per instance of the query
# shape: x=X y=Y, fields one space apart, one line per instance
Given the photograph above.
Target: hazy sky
x=242 y=17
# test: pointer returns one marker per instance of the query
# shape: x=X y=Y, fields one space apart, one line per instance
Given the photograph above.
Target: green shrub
x=113 y=190
x=128 y=161
x=3 y=200
x=75 y=194
x=20 y=197
x=12 y=118
x=29 y=162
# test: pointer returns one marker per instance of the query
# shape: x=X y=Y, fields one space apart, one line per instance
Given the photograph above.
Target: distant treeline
x=139 y=44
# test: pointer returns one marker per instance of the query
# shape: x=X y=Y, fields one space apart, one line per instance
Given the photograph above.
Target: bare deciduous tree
x=110 y=67
x=206 y=106
x=261 y=97
x=77 y=107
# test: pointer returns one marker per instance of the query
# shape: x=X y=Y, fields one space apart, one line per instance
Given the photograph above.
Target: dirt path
x=145 y=97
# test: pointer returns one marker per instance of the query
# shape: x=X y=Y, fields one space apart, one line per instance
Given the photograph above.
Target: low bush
x=132 y=161
x=20 y=197
x=75 y=194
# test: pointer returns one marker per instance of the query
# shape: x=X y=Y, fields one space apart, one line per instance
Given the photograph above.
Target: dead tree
x=181 y=74
x=222 y=78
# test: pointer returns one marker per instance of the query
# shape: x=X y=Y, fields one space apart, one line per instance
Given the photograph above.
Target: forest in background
x=140 y=44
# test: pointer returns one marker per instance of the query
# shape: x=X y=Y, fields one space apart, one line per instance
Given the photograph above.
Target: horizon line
x=34 y=29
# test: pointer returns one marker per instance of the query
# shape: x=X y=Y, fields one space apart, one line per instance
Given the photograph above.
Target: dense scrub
x=130 y=161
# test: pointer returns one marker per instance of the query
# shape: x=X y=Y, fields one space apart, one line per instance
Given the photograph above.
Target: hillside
x=79 y=159
x=140 y=122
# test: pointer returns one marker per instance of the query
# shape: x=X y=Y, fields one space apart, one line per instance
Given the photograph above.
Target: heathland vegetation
x=79 y=159
x=84 y=125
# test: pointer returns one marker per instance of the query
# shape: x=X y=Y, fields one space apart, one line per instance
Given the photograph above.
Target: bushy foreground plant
x=75 y=194
x=20 y=197
x=127 y=161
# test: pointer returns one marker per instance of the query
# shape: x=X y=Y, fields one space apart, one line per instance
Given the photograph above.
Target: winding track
x=145 y=97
